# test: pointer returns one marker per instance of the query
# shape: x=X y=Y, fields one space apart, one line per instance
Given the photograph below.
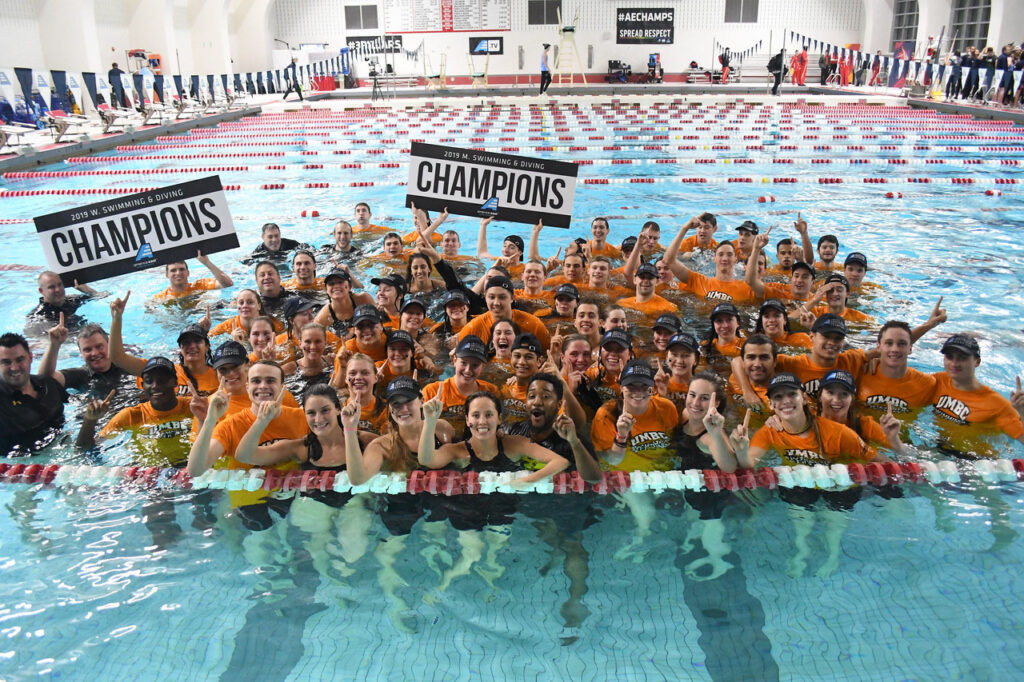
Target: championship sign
x=488 y=184
x=645 y=26
x=138 y=231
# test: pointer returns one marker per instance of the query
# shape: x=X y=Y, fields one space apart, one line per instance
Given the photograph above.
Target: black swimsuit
x=341 y=327
x=328 y=497
x=400 y=512
x=474 y=512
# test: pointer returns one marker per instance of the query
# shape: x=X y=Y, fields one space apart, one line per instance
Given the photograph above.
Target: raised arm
x=249 y=450
x=534 y=248
x=429 y=230
x=223 y=281
x=937 y=317
x=718 y=442
x=518 y=446
x=48 y=365
x=586 y=464
x=481 y=240
x=752 y=278
x=746 y=456
x=118 y=356
x=206 y=450
x=94 y=410
x=631 y=264
x=671 y=256
x=427 y=455
x=805 y=239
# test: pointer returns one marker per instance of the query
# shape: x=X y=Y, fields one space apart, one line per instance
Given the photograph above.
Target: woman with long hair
x=417 y=274
x=341 y=302
x=805 y=438
x=249 y=306
x=773 y=322
x=724 y=339
x=487 y=449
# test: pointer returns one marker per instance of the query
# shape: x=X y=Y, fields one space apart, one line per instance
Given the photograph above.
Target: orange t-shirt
x=513 y=403
x=818 y=265
x=387 y=373
x=195 y=287
x=760 y=412
x=547 y=297
x=413 y=237
x=690 y=244
x=356 y=229
x=732 y=349
x=608 y=251
x=159 y=437
x=481 y=326
x=240 y=401
x=677 y=391
x=207 y=380
x=794 y=340
x=849 y=314
x=782 y=291
x=609 y=388
x=981 y=410
x=811 y=374
x=455 y=402
x=559 y=280
x=293 y=284
x=906 y=395
x=374 y=417
x=715 y=290
x=653 y=307
x=650 y=446
x=229 y=326
x=839 y=444
x=376 y=353
x=290 y=424
x=612 y=291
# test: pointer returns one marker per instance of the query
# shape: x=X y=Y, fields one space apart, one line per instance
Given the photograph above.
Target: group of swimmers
x=589 y=360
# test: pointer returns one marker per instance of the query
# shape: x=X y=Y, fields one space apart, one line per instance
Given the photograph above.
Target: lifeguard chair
x=567 y=65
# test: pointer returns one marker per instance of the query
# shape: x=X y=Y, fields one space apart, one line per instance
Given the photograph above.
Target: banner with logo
x=645 y=26
x=7 y=81
x=488 y=184
x=77 y=99
x=41 y=82
x=485 y=45
x=374 y=44
x=138 y=231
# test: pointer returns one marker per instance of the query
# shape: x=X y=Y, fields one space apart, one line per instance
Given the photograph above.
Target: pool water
x=101 y=581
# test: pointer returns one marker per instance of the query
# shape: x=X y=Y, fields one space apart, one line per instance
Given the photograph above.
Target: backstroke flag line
x=138 y=231
x=487 y=184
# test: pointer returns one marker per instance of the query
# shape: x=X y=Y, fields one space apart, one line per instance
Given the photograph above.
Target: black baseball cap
x=841 y=378
x=295 y=305
x=628 y=243
x=395 y=280
x=964 y=344
x=725 y=308
x=637 y=372
x=159 y=363
x=403 y=389
x=684 y=339
x=783 y=380
x=857 y=258
x=230 y=353
x=455 y=295
x=528 y=341
x=800 y=265
x=773 y=303
x=837 y=277
x=193 y=330
x=400 y=336
x=748 y=226
x=365 y=311
x=472 y=347
x=829 y=323
x=413 y=302
x=518 y=241
x=337 y=273
x=501 y=282
x=568 y=291
x=618 y=336
x=669 y=322
x=647 y=270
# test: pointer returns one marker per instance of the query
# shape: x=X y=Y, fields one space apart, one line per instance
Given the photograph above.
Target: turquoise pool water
x=104 y=582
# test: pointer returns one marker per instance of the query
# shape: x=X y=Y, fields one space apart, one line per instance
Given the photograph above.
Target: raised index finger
x=1018 y=385
x=746 y=420
x=939 y=304
x=113 y=392
x=61 y=320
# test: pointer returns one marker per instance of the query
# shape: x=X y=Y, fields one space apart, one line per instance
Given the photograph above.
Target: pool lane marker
x=836 y=476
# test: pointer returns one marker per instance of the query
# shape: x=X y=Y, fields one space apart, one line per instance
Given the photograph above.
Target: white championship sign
x=478 y=183
x=138 y=231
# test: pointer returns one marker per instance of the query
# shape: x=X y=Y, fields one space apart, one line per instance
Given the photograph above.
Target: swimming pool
x=922 y=590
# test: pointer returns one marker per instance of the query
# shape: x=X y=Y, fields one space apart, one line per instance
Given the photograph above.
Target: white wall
x=698 y=24
x=1007 y=23
x=251 y=39
x=113 y=33
x=20 y=45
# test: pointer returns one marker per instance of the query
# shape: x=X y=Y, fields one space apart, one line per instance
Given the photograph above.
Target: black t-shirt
x=27 y=422
x=261 y=252
x=553 y=442
x=51 y=313
x=96 y=384
x=274 y=305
